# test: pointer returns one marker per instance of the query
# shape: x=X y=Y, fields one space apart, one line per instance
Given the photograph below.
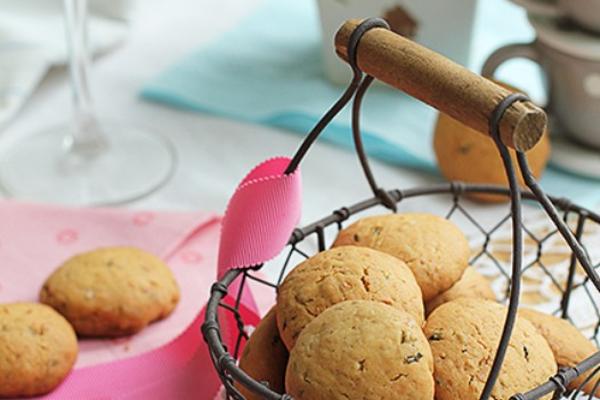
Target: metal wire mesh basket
x=543 y=254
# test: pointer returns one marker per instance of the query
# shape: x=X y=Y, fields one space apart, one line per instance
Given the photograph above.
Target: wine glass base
x=131 y=164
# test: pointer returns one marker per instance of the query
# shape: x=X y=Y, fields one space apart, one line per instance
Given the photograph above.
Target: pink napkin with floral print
x=35 y=239
x=168 y=359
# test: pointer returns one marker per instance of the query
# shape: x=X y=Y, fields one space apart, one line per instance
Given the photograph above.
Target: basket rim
x=221 y=357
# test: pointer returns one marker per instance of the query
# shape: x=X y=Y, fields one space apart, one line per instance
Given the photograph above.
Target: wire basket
x=558 y=253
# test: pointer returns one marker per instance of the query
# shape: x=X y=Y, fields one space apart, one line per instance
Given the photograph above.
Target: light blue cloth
x=268 y=70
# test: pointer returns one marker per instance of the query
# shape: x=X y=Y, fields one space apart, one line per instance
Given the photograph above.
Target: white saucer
x=539 y=7
x=574 y=157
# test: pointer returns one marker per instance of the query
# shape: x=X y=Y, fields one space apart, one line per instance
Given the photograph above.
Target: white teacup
x=584 y=12
x=571 y=62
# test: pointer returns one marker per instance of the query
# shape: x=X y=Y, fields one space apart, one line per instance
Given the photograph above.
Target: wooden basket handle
x=443 y=84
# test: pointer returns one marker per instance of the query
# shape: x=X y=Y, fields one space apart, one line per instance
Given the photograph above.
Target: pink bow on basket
x=259 y=221
x=261 y=215
x=260 y=218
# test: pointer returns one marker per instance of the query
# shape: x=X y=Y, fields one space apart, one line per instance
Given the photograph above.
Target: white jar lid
x=566 y=37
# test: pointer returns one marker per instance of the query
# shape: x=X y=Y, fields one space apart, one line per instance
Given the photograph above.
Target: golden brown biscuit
x=361 y=350
x=466 y=155
x=38 y=348
x=264 y=357
x=471 y=284
x=340 y=274
x=568 y=344
x=112 y=291
x=464 y=336
x=436 y=251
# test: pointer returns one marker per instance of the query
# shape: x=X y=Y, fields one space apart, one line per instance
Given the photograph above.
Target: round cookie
x=38 y=348
x=264 y=357
x=464 y=336
x=361 y=350
x=471 y=284
x=111 y=292
x=340 y=274
x=568 y=344
x=466 y=155
x=435 y=249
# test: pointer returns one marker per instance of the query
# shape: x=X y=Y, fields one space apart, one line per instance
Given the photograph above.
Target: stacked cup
x=567 y=47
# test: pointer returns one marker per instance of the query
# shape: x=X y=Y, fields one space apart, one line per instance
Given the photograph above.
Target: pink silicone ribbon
x=260 y=218
x=261 y=215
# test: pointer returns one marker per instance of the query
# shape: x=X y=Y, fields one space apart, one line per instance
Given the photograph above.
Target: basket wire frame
x=225 y=363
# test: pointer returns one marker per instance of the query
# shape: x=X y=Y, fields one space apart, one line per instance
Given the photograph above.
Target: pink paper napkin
x=167 y=360
x=35 y=239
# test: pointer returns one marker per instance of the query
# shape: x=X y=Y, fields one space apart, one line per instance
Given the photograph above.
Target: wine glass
x=85 y=161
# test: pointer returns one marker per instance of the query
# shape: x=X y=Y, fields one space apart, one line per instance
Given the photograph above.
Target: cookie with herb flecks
x=568 y=344
x=340 y=274
x=112 y=291
x=361 y=350
x=264 y=357
x=434 y=248
x=38 y=348
x=471 y=284
x=464 y=336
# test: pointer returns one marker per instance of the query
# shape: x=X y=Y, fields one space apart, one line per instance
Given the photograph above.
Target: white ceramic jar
x=444 y=26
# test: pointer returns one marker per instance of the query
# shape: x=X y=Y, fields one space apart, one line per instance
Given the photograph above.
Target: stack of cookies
x=393 y=311
x=105 y=293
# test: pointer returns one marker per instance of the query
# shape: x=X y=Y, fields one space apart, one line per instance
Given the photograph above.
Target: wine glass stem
x=85 y=135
